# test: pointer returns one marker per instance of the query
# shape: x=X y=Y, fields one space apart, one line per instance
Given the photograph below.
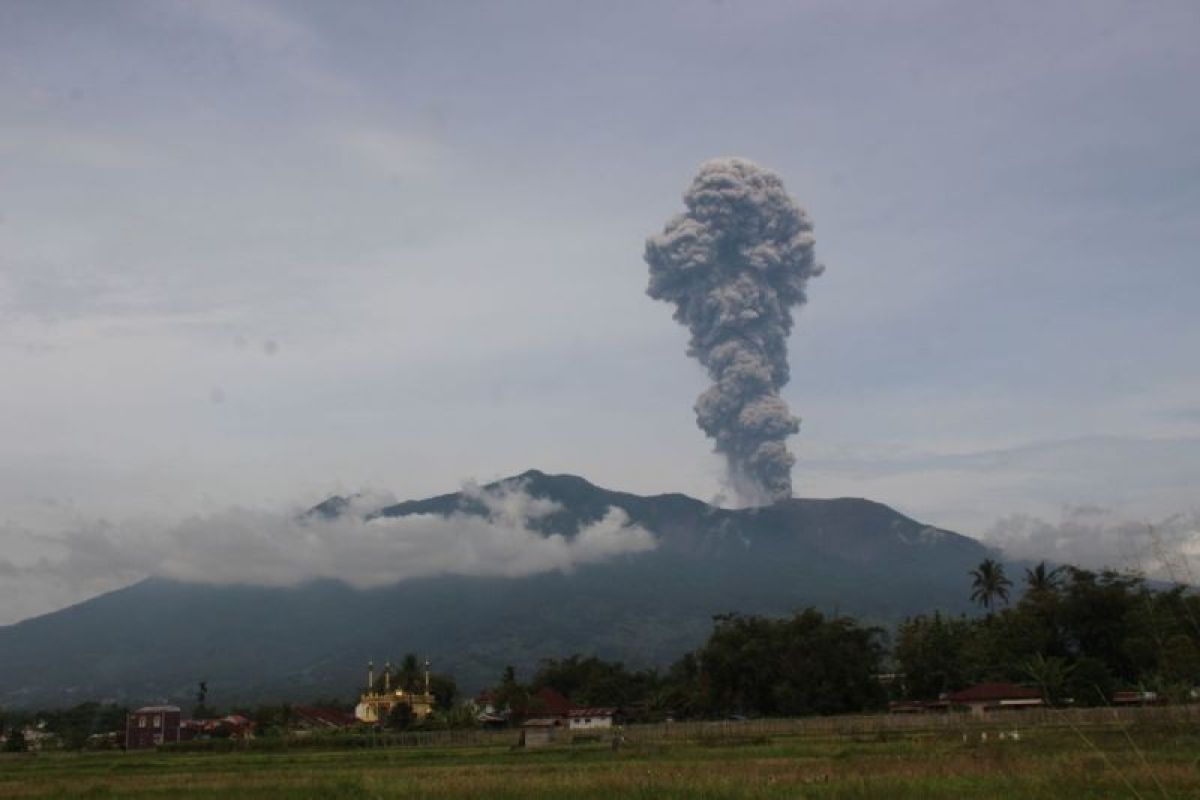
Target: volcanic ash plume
x=734 y=264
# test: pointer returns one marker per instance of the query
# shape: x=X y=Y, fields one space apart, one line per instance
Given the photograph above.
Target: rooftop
x=988 y=692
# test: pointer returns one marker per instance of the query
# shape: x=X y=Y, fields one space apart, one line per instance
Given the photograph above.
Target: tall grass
x=834 y=758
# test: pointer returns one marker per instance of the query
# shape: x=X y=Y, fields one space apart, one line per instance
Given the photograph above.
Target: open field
x=1147 y=758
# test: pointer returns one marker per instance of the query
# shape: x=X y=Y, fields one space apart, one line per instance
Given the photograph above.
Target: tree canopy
x=989 y=583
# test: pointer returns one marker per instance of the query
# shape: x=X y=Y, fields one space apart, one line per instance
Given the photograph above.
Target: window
x=141 y=722
x=158 y=720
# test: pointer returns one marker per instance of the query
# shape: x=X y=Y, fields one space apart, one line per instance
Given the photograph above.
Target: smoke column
x=735 y=264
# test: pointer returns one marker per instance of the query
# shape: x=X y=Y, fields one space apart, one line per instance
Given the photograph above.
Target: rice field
x=1142 y=759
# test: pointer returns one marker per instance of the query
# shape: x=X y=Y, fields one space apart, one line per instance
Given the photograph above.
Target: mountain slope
x=156 y=639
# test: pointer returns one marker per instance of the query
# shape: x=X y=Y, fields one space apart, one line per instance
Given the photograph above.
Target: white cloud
x=1098 y=538
x=269 y=548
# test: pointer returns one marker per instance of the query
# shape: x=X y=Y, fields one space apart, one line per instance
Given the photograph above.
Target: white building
x=590 y=719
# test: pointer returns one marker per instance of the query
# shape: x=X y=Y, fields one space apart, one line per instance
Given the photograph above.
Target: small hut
x=540 y=731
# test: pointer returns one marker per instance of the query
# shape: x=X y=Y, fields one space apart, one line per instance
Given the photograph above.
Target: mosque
x=377 y=702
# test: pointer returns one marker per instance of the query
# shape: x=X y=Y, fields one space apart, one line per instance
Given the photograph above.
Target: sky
x=255 y=253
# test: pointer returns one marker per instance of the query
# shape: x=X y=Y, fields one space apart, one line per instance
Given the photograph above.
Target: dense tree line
x=803 y=664
x=1076 y=634
x=1073 y=633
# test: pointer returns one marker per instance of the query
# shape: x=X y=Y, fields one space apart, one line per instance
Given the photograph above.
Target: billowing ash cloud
x=735 y=264
x=279 y=549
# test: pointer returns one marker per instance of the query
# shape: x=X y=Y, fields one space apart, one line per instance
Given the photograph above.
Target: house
x=485 y=703
x=547 y=702
x=907 y=707
x=918 y=706
x=151 y=726
x=985 y=697
x=544 y=703
x=311 y=718
x=238 y=726
x=1136 y=698
x=540 y=731
x=591 y=719
x=234 y=726
x=30 y=737
x=191 y=729
x=487 y=710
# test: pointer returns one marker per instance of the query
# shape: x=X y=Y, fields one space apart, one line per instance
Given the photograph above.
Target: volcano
x=154 y=640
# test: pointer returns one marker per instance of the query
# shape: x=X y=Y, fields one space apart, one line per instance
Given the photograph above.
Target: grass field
x=1060 y=762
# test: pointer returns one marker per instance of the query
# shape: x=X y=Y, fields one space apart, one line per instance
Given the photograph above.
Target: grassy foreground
x=1049 y=763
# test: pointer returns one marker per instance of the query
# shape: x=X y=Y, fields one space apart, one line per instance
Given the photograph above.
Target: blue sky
x=254 y=253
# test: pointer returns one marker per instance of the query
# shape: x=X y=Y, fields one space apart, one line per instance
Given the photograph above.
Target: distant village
x=542 y=718
x=1073 y=639
x=387 y=702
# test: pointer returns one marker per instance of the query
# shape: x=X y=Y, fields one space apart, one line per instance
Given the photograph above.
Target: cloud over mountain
x=356 y=545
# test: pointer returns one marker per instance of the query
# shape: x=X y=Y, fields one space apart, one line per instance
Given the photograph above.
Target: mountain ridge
x=155 y=639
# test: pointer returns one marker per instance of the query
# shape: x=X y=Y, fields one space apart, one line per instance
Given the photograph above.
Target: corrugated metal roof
x=592 y=712
x=541 y=722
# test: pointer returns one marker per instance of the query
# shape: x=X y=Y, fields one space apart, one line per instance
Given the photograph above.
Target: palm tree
x=989 y=583
x=1042 y=579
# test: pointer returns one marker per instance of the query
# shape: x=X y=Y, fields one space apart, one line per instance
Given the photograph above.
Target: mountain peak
x=645 y=607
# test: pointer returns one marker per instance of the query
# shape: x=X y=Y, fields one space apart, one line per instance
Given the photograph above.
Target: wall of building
x=150 y=728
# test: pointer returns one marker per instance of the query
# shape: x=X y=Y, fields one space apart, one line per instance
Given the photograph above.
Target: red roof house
x=314 y=718
x=583 y=719
x=549 y=702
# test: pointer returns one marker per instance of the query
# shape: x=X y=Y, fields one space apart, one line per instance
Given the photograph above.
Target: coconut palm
x=1042 y=579
x=989 y=583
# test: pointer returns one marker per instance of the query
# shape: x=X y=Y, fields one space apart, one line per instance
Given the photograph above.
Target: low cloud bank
x=282 y=549
x=1097 y=538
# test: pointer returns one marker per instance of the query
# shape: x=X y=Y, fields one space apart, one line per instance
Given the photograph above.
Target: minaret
x=370 y=676
x=427 y=676
x=387 y=676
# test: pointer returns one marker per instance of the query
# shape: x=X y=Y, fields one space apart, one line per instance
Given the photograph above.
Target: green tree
x=400 y=717
x=1100 y=620
x=444 y=689
x=511 y=694
x=409 y=676
x=931 y=651
x=75 y=725
x=202 y=710
x=1041 y=578
x=268 y=720
x=16 y=741
x=989 y=583
x=591 y=681
x=1051 y=676
x=803 y=664
x=682 y=693
x=1091 y=682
